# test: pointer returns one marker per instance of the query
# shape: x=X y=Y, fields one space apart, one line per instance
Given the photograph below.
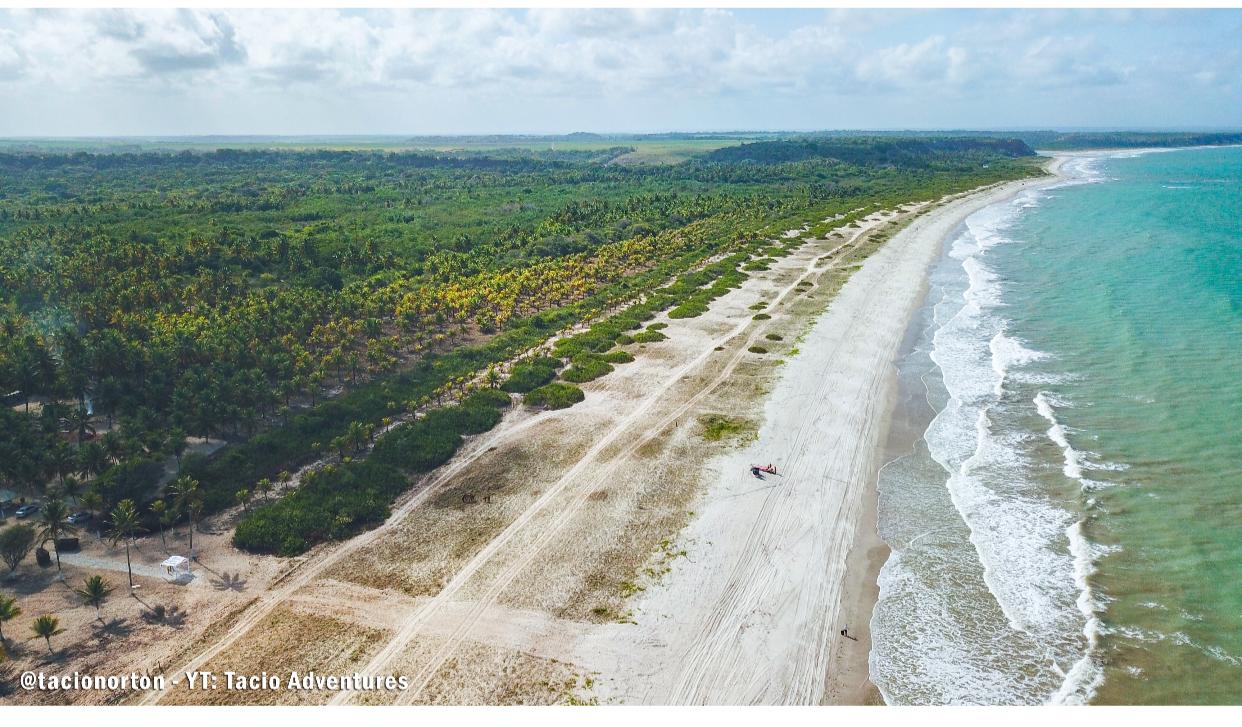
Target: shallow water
x=1065 y=524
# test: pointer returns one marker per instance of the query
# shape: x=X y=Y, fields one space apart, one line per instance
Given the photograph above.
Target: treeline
x=1127 y=139
x=868 y=151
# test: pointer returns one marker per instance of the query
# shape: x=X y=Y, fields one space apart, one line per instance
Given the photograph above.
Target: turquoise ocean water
x=1064 y=503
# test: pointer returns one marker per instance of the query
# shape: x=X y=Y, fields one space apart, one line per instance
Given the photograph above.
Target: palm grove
x=314 y=305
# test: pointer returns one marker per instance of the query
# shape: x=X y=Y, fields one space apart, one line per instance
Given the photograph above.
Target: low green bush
x=757 y=349
x=624 y=339
x=761 y=316
x=774 y=337
x=555 y=396
x=649 y=337
x=488 y=397
x=529 y=375
x=689 y=309
x=332 y=503
x=618 y=357
x=586 y=368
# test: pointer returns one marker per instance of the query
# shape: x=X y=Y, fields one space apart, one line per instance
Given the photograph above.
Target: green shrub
x=649 y=337
x=462 y=419
x=488 y=397
x=555 y=396
x=757 y=349
x=618 y=357
x=759 y=306
x=586 y=368
x=774 y=337
x=417 y=446
x=332 y=503
x=624 y=339
x=761 y=316
x=659 y=326
x=689 y=309
x=529 y=375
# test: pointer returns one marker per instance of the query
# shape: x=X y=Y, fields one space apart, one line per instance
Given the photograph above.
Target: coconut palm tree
x=93 y=503
x=47 y=627
x=167 y=520
x=54 y=524
x=159 y=509
x=94 y=459
x=94 y=591
x=71 y=487
x=177 y=445
x=194 y=508
x=124 y=527
x=63 y=460
x=184 y=490
x=9 y=610
x=263 y=488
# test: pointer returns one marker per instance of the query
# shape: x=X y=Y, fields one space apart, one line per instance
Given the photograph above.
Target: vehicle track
x=308 y=571
x=711 y=672
x=565 y=515
x=303 y=574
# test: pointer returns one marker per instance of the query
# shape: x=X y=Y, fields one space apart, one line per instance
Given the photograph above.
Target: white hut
x=177 y=569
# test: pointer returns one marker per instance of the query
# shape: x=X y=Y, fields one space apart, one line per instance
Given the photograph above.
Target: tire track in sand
x=401 y=640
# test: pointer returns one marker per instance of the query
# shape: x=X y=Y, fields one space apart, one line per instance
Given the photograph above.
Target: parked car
x=79 y=517
x=26 y=510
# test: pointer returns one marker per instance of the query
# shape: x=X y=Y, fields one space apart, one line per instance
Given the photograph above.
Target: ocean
x=1063 y=498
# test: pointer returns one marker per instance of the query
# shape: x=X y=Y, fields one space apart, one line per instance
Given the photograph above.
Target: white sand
x=753 y=614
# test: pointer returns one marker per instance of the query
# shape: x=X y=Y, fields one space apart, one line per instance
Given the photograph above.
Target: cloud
x=193 y=43
x=592 y=60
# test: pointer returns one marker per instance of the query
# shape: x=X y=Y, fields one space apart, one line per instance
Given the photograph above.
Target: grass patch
x=649 y=337
x=716 y=427
x=759 y=306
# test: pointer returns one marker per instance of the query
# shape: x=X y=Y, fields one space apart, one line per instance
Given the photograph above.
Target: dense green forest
x=292 y=302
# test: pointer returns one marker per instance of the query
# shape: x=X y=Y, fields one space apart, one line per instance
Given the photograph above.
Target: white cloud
x=592 y=60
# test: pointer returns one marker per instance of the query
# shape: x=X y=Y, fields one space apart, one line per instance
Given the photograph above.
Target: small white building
x=177 y=569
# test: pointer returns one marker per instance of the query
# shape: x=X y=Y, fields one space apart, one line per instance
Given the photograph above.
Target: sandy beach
x=755 y=615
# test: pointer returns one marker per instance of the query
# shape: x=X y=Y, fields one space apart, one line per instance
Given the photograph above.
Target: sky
x=157 y=72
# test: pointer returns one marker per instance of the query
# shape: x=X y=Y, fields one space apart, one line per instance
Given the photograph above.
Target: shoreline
x=869 y=552
x=776 y=566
